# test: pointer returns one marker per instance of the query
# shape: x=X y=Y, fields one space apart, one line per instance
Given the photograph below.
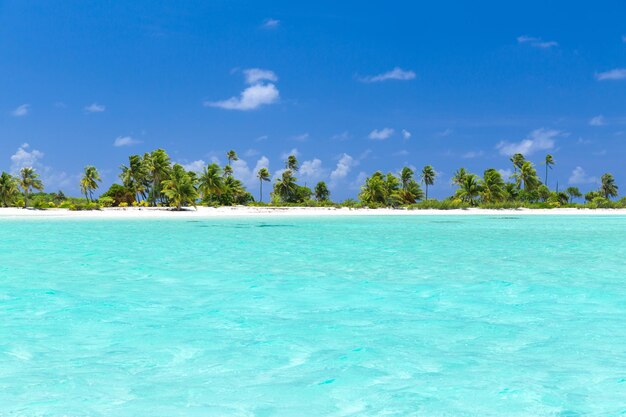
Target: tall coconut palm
x=549 y=162
x=470 y=189
x=572 y=193
x=428 y=177
x=459 y=176
x=159 y=166
x=321 y=191
x=263 y=175
x=134 y=176
x=292 y=163
x=89 y=181
x=28 y=181
x=231 y=156
x=517 y=160
x=492 y=186
x=210 y=182
x=285 y=187
x=608 y=188
x=526 y=176
x=179 y=188
x=8 y=189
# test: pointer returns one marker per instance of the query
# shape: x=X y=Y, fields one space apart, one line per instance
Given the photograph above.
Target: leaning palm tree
x=89 y=181
x=549 y=162
x=262 y=175
x=28 y=180
x=459 y=176
x=210 y=182
x=608 y=188
x=8 y=189
x=231 y=156
x=527 y=176
x=292 y=163
x=470 y=189
x=517 y=160
x=492 y=186
x=159 y=166
x=285 y=187
x=179 y=188
x=135 y=176
x=428 y=177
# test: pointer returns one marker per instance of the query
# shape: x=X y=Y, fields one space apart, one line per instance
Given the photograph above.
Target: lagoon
x=313 y=316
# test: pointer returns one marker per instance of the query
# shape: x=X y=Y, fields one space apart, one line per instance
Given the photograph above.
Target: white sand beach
x=238 y=211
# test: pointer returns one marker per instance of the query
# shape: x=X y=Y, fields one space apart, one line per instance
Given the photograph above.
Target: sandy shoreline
x=210 y=212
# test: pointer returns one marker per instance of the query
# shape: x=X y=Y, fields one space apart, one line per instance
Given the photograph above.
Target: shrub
x=106 y=201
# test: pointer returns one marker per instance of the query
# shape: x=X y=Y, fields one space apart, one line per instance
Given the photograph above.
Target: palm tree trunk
x=261 y=192
x=426 y=191
x=546 y=182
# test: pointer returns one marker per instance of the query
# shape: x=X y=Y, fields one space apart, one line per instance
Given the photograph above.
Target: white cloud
x=341 y=136
x=21 y=110
x=536 y=42
x=256 y=75
x=344 y=166
x=251 y=98
x=473 y=154
x=402 y=152
x=247 y=176
x=381 y=134
x=395 y=74
x=125 y=141
x=312 y=170
x=597 y=121
x=506 y=173
x=95 y=108
x=301 y=138
x=614 y=74
x=270 y=23
x=406 y=134
x=579 y=176
x=261 y=138
x=25 y=158
x=538 y=140
x=195 y=166
x=250 y=153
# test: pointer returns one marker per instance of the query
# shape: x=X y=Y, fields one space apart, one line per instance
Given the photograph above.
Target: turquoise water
x=380 y=316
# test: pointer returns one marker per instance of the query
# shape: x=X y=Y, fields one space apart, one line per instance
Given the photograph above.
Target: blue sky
x=352 y=86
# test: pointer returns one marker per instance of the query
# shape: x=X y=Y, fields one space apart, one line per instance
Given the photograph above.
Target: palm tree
x=459 y=176
x=292 y=163
x=527 y=175
x=134 y=176
x=492 y=186
x=517 y=160
x=89 y=181
x=608 y=188
x=470 y=189
x=28 y=180
x=8 y=189
x=179 y=188
x=286 y=187
x=428 y=177
x=410 y=191
x=210 y=182
x=231 y=156
x=159 y=166
x=573 y=192
x=228 y=171
x=263 y=175
x=321 y=191
x=374 y=190
x=549 y=162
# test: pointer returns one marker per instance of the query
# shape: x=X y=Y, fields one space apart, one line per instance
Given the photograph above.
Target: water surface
x=348 y=316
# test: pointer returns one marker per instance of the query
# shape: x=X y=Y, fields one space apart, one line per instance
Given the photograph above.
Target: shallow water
x=350 y=316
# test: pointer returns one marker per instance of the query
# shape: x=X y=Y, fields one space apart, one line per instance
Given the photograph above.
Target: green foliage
x=120 y=194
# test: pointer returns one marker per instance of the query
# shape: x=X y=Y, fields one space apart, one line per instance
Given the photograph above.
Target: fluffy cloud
x=536 y=42
x=125 y=141
x=21 y=110
x=395 y=74
x=251 y=98
x=614 y=74
x=256 y=75
x=406 y=134
x=579 y=176
x=344 y=166
x=538 y=140
x=25 y=158
x=195 y=166
x=270 y=23
x=293 y=152
x=597 y=121
x=245 y=174
x=95 y=108
x=312 y=170
x=381 y=134
x=301 y=138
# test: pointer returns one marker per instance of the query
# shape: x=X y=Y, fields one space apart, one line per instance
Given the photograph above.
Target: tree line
x=153 y=180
